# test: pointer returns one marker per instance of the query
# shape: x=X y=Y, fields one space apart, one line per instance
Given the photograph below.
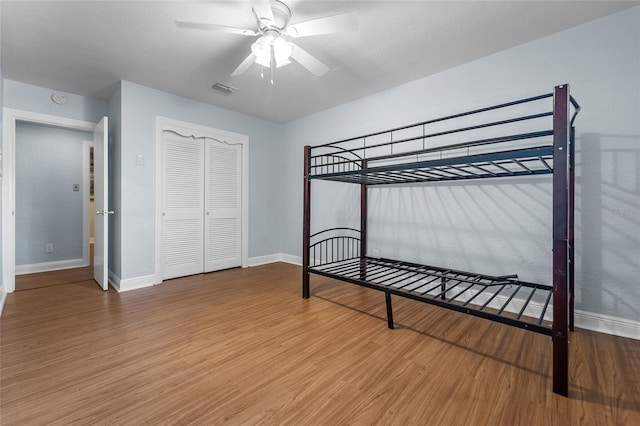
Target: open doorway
x=53 y=206
x=99 y=136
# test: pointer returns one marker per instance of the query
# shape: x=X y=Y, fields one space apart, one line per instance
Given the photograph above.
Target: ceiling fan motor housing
x=281 y=16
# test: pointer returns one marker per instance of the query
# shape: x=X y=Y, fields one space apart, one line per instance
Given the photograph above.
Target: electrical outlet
x=376 y=253
x=48 y=248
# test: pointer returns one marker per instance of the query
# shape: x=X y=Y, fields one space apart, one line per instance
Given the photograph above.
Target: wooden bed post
x=572 y=202
x=306 y=223
x=363 y=225
x=363 y=216
x=560 y=328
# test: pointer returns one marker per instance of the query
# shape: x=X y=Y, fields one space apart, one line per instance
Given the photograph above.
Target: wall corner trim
x=121 y=285
x=3 y=299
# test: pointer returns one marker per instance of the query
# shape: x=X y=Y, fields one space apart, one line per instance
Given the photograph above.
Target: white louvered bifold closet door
x=223 y=190
x=182 y=214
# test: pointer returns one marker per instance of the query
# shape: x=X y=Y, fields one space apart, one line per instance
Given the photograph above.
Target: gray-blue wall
x=27 y=97
x=48 y=163
x=1 y=165
x=115 y=141
x=504 y=226
x=140 y=107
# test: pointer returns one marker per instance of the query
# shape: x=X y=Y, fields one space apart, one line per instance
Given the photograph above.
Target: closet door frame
x=187 y=129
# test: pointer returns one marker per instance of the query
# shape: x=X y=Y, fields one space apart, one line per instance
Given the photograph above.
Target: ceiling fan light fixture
x=261 y=49
x=282 y=51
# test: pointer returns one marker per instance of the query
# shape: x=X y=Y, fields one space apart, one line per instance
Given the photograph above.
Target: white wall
x=48 y=163
x=504 y=226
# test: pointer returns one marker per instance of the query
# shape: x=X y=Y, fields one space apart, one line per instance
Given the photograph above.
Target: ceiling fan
x=272 y=49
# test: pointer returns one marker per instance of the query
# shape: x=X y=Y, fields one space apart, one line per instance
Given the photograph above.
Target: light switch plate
x=139 y=160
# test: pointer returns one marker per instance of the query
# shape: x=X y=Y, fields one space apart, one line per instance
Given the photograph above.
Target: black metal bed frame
x=485 y=147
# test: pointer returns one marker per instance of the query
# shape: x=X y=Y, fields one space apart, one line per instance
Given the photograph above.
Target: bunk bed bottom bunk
x=503 y=299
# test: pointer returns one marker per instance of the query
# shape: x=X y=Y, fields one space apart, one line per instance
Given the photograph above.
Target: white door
x=182 y=205
x=223 y=202
x=101 y=223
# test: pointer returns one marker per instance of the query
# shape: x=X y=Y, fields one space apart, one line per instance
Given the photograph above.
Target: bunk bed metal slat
x=509 y=299
x=519 y=163
x=524 y=305
x=377 y=270
x=493 y=296
x=463 y=291
x=500 y=167
x=542 y=160
x=406 y=276
x=544 y=309
x=419 y=284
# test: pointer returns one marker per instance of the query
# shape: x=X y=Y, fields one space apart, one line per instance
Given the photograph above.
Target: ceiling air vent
x=223 y=88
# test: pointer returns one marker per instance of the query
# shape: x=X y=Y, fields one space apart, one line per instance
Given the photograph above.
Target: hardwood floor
x=242 y=347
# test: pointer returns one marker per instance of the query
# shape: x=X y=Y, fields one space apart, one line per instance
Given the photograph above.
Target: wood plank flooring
x=242 y=347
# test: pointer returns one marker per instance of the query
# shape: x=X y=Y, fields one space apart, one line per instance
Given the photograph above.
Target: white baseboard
x=135 y=283
x=263 y=260
x=276 y=257
x=3 y=298
x=50 y=266
x=608 y=324
x=288 y=258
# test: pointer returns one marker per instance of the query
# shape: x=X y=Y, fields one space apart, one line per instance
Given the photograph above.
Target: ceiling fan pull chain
x=273 y=58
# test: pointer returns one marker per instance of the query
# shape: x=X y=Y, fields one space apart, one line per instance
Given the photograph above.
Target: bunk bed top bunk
x=505 y=140
x=527 y=137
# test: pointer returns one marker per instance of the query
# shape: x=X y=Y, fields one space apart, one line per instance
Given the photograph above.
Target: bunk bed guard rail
x=526 y=137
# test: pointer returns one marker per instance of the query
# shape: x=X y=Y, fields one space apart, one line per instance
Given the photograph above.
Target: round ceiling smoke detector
x=59 y=98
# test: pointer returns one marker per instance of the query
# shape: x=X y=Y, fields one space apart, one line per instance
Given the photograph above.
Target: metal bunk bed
x=506 y=140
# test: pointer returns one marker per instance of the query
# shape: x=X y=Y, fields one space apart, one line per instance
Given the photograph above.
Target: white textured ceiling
x=86 y=47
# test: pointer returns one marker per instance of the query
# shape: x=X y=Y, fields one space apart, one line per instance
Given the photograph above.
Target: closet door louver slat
x=183 y=163
x=223 y=191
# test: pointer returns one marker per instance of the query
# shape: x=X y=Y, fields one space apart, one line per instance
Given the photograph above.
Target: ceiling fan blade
x=329 y=25
x=308 y=61
x=262 y=10
x=214 y=27
x=244 y=65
